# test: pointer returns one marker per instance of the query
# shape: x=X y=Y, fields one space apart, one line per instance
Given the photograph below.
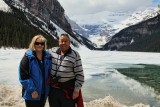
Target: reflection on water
x=124 y=89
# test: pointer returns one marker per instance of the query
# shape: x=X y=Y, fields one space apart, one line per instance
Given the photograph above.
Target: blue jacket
x=30 y=75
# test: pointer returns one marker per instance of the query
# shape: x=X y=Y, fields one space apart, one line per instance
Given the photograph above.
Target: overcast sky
x=78 y=7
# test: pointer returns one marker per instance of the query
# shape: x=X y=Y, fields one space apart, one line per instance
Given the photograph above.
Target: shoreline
x=11 y=96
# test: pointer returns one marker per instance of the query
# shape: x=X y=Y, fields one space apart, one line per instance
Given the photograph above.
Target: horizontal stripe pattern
x=69 y=67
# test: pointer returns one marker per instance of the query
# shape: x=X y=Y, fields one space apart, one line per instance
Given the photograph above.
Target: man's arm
x=79 y=75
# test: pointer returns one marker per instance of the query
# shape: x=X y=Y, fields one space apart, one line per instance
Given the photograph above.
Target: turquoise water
x=124 y=89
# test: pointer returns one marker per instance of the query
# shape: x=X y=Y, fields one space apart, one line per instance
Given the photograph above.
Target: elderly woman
x=34 y=71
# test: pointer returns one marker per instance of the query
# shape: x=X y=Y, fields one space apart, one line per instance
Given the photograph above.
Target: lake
x=102 y=77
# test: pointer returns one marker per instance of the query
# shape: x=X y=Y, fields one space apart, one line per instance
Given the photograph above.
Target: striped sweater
x=68 y=66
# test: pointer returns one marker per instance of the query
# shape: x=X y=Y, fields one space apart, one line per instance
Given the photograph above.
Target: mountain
x=138 y=16
x=25 y=18
x=106 y=24
x=98 y=26
x=48 y=17
x=16 y=31
x=77 y=28
x=142 y=37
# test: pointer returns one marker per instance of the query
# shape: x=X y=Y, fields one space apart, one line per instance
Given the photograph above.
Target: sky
x=82 y=7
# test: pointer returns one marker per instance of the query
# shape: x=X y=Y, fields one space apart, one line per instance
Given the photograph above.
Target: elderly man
x=67 y=74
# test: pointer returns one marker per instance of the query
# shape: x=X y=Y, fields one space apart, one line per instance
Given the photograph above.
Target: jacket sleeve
x=24 y=77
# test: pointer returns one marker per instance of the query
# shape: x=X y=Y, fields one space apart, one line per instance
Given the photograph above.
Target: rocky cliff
x=48 y=10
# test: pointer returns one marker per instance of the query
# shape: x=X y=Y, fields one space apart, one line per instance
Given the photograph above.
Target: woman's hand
x=35 y=94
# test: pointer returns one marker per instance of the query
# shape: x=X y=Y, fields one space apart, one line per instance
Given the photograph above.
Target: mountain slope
x=17 y=32
x=109 y=23
x=144 y=37
x=47 y=16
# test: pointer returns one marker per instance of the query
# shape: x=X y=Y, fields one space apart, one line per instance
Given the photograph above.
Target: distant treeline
x=17 y=32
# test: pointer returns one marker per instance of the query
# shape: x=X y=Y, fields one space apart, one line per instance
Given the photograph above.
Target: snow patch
x=3 y=6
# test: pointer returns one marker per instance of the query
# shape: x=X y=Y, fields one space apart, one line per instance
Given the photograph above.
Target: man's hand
x=75 y=94
x=25 y=51
x=35 y=94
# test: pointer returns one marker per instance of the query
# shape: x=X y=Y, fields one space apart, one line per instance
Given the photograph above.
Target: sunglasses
x=39 y=43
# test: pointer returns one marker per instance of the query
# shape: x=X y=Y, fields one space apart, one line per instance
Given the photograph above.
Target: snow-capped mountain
x=98 y=27
x=102 y=26
x=77 y=28
x=136 y=17
x=141 y=37
x=48 y=16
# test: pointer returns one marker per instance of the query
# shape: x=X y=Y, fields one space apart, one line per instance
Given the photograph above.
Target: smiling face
x=39 y=45
x=64 y=43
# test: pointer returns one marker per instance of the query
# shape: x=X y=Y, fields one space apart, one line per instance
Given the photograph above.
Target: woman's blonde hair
x=32 y=44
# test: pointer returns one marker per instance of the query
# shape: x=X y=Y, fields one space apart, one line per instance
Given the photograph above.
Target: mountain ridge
x=42 y=19
x=37 y=18
x=142 y=37
x=112 y=22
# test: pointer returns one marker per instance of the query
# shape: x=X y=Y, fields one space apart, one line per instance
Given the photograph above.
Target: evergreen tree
x=17 y=32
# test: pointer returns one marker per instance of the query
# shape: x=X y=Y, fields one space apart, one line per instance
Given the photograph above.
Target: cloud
x=80 y=7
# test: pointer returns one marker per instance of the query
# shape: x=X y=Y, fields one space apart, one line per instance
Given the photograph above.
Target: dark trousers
x=31 y=103
x=57 y=98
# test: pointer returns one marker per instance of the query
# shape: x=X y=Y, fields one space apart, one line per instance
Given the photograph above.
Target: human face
x=39 y=45
x=64 y=44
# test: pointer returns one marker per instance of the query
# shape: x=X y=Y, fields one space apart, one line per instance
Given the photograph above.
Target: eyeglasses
x=39 y=43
